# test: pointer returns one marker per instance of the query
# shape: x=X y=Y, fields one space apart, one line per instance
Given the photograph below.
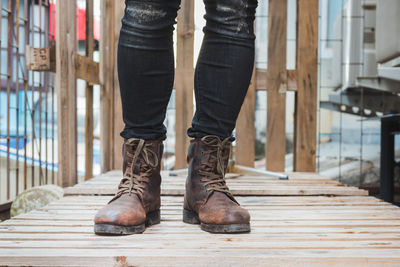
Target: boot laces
x=213 y=178
x=136 y=176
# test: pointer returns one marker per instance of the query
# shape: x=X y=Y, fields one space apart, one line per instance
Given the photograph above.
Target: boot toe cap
x=119 y=215
x=224 y=215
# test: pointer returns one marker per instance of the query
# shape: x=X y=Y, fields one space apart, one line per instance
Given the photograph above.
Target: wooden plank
x=286 y=230
x=298 y=184
x=239 y=181
x=66 y=96
x=305 y=138
x=184 y=80
x=320 y=232
x=306 y=201
x=255 y=191
x=259 y=228
x=373 y=225
x=245 y=128
x=191 y=236
x=133 y=259
x=176 y=209
x=184 y=243
x=107 y=68
x=263 y=214
x=277 y=86
x=247 y=183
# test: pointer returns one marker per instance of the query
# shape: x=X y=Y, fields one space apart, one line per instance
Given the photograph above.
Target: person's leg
x=224 y=66
x=222 y=77
x=146 y=73
x=146 y=66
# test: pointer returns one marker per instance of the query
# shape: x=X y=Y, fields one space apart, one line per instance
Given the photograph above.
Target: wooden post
x=306 y=98
x=66 y=92
x=118 y=123
x=89 y=47
x=245 y=129
x=107 y=59
x=184 y=80
x=276 y=86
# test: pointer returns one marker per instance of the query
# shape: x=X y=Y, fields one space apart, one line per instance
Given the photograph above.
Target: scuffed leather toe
x=119 y=212
x=220 y=209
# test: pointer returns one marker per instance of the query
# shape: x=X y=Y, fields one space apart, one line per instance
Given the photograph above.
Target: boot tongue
x=217 y=148
x=215 y=164
x=223 y=196
x=142 y=157
x=126 y=196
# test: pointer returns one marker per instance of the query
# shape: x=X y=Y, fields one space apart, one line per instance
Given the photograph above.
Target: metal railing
x=27 y=100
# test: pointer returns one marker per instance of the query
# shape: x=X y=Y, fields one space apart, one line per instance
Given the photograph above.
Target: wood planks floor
x=305 y=221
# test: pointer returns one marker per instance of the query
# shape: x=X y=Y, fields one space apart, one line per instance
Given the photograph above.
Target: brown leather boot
x=208 y=201
x=137 y=202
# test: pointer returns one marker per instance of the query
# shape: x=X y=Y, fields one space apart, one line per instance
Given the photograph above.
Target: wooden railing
x=276 y=80
x=69 y=67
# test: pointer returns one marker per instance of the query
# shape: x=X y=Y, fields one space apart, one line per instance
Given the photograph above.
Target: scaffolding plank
x=365 y=231
x=298 y=184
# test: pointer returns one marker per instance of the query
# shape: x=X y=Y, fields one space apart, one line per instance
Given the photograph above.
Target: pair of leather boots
x=207 y=199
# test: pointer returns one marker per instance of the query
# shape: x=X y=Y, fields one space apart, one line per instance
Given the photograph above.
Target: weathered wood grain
x=245 y=128
x=275 y=149
x=66 y=93
x=305 y=138
x=107 y=68
x=298 y=184
x=118 y=123
x=287 y=230
x=89 y=121
x=184 y=80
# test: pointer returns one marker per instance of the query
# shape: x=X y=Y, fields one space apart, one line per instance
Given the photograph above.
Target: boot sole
x=192 y=217
x=152 y=218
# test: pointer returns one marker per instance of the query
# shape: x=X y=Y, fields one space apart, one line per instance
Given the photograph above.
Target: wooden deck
x=303 y=221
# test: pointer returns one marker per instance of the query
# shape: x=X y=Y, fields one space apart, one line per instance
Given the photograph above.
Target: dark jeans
x=146 y=66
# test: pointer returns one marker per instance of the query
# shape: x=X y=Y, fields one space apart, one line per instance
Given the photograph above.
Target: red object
x=80 y=24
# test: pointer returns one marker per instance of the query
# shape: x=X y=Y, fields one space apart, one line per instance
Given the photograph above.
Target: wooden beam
x=91 y=71
x=261 y=80
x=107 y=59
x=184 y=80
x=245 y=129
x=44 y=59
x=305 y=139
x=66 y=92
x=86 y=69
x=276 y=86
